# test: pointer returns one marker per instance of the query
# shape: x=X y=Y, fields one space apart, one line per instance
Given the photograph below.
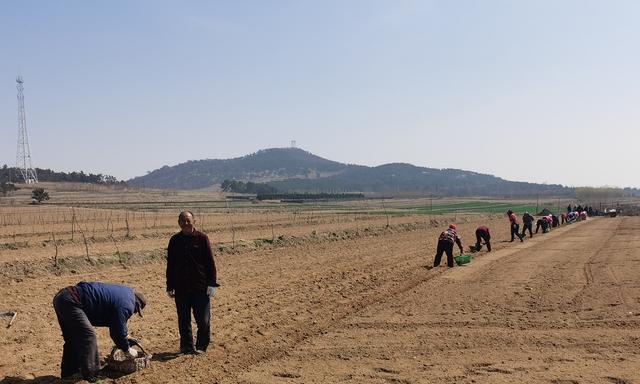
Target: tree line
x=248 y=187
x=12 y=175
x=310 y=196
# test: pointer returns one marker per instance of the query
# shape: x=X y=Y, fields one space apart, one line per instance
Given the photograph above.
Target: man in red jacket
x=192 y=282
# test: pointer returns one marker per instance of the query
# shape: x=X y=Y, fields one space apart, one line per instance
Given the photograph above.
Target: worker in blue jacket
x=81 y=307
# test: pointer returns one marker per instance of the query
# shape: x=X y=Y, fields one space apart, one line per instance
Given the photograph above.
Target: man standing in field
x=87 y=304
x=191 y=281
x=445 y=244
x=513 y=221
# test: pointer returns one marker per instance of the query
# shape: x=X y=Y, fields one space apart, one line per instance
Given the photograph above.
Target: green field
x=390 y=207
x=412 y=207
x=477 y=207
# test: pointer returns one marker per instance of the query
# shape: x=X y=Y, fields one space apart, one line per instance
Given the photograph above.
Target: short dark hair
x=184 y=213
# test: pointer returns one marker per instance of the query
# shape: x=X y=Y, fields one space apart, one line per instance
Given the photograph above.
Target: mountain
x=398 y=177
x=295 y=170
x=263 y=166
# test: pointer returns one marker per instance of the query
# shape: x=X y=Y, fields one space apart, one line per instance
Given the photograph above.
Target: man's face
x=186 y=223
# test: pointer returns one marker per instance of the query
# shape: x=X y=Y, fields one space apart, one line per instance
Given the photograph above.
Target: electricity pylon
x=23 y=157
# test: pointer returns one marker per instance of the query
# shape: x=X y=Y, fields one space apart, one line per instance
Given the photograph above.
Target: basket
x=462 y=259
x=119 y=363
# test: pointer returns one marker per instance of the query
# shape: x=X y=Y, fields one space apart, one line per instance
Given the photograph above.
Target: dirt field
x=351 y=301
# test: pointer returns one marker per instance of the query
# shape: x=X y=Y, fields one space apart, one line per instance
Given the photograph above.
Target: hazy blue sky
x=540 y=91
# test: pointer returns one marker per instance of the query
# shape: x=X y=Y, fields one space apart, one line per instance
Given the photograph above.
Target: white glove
x=132 y=353
x=171 y=293
x=211 y=291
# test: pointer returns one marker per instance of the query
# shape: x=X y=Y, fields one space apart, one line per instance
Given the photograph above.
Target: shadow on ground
x=165 y=356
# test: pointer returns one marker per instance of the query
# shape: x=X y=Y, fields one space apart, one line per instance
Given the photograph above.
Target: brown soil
x=360 y=306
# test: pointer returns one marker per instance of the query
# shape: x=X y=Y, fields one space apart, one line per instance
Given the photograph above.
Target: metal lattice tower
x=23 y=157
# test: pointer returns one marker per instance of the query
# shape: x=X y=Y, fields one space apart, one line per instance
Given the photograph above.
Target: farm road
x=558 y=308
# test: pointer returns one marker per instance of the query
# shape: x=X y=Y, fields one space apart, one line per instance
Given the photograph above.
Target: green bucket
x=462 y=259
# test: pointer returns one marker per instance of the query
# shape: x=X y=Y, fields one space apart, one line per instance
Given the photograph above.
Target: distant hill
x=296 y=170
x=399 y=177
x=263 y=166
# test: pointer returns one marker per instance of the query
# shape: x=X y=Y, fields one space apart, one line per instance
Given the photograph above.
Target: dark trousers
x=444 y=246
x=80 y=351
x=482 y=235
x=544 y=225
x=515 y=227
x=200 y=304
x=528 y=226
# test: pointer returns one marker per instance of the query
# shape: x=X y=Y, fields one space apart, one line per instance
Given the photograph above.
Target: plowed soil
x=364 y=307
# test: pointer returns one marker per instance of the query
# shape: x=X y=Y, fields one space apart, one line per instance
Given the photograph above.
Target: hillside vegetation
x=295 y=170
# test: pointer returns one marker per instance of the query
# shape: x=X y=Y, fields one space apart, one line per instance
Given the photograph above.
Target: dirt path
x=558 y=308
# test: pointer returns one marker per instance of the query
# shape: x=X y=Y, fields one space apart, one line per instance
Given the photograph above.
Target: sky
x=542 y=91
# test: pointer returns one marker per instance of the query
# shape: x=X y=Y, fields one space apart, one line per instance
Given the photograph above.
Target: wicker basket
x=117 y=362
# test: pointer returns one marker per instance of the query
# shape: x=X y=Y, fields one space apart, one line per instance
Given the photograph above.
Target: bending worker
x=527 y=223
x=482 y=233
x=445 y=244
x=81 y=307
x=542 y=223
x=515 y=227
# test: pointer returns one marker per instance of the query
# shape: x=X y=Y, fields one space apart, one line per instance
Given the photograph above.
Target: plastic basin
x=462 y=259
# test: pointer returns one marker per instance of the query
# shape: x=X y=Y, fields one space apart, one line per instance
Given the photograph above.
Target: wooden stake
x=12 y=319
x=55 y=244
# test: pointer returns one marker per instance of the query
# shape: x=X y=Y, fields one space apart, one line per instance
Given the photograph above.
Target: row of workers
x=449 y=237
